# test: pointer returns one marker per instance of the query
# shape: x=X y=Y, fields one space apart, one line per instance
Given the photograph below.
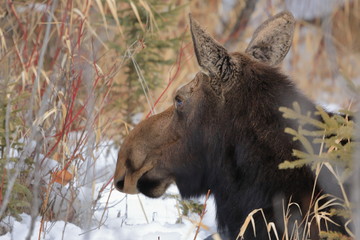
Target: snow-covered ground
x=161 y=213
x=121 y=216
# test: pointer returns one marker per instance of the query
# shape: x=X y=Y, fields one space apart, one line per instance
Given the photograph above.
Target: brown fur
x=225 y=133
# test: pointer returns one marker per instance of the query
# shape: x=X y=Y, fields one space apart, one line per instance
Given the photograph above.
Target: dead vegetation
x=72 y=76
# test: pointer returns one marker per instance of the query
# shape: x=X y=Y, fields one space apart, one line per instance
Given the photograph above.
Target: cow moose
x=224 y=132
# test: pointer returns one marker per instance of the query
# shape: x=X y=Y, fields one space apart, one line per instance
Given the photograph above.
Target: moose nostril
x=120 y=184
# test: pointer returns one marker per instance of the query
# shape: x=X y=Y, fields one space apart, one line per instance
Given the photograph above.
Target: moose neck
x=240 y=164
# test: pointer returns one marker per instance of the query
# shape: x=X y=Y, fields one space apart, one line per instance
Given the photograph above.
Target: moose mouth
x=152 y=187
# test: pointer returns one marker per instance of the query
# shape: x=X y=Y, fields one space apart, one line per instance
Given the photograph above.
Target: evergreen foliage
x=186 y=206
x=10 y=146
x=146 y=27
x=335 y=134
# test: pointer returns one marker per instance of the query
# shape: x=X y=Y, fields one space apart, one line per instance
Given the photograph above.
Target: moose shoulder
x=225 y=133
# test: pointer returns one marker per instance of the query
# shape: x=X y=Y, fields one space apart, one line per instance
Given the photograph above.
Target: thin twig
x=106 y=204
x=203 y=212
x=41 y=62
x=143 y=209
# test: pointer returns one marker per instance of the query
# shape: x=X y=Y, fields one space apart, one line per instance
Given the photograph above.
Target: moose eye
x=178 y=101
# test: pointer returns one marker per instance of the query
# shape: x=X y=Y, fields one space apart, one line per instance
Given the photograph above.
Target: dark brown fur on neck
x=225 y=133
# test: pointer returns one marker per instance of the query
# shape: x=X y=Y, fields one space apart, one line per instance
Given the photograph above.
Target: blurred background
x=76 y=76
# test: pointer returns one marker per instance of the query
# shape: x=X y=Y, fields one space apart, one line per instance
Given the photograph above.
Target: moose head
x=224 y=132
x=159 y=147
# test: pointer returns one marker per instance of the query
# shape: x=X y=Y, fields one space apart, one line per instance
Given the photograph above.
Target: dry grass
x=61 y=78
x=59 y=73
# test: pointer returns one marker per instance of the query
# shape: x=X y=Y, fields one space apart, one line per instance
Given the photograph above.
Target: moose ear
x=211 y=55
x=272 y=39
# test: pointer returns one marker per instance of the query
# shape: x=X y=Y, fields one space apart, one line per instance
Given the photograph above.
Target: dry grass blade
x=272 y=226
x=320 y=212
x=101 y=9
x=113 y=10
x=151 y=15
x=143 y=209
x=136 y=12
x=286 y=219
x=340 y=183
x=348 y=230
x=143 y=83
x=91 y=29
x=2 y=40
x=250 y=218
x=47 y=114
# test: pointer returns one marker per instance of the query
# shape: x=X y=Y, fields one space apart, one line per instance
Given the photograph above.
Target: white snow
x=119 y=216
